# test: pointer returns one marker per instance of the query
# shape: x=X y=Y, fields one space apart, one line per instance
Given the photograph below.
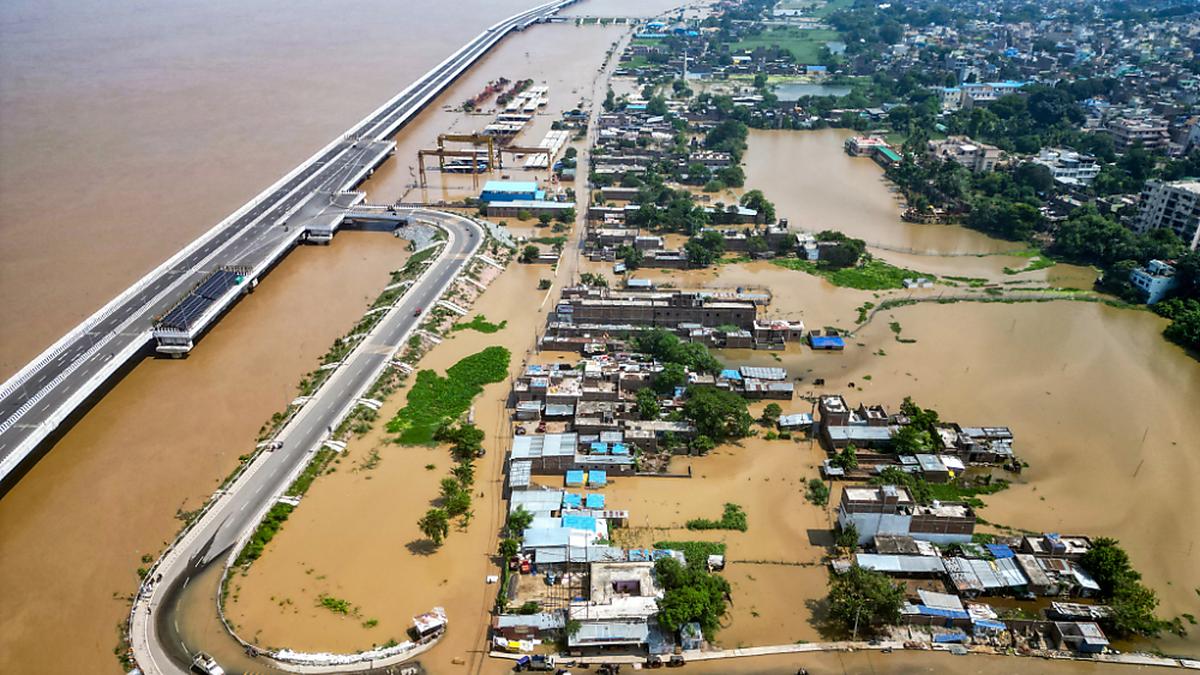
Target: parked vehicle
x=417 y=311
x=203 y=663
x=537 y=663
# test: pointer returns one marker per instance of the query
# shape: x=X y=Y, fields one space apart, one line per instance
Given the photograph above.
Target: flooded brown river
x=127 y=131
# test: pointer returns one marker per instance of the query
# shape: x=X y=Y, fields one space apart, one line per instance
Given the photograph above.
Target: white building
x=1175 y=205
x=978 y=157
x=1068 y=167
x=1155 y=280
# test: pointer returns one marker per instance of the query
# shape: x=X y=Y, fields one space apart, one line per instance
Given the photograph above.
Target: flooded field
x=817 y=186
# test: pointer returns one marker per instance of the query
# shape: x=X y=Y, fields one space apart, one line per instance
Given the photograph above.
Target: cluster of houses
x=932 y=546
x=872 y=431
x=931 y=549
x=594 y=320
x=577 y=428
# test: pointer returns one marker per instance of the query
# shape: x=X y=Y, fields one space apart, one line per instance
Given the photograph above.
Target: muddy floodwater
x=74 y=529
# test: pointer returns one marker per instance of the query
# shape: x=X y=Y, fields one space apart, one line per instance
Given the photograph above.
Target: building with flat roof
x=1067 y=166
x=1149 y=132
x=1154 y=281
x=622 y=599
x=507 y=191
x=891 y=509
x=978 y=157
x=1173 y=204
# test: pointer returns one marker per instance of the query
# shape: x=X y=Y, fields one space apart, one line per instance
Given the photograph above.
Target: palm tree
x=435 y=524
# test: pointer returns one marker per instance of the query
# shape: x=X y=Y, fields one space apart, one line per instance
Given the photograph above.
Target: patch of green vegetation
x=872 y=275
x=481 y=324
x=336 y=605
x=434 y=399
x=1036 y=262
x=805 y=45
x=817 y=492
x=263 y=535
x=315 y=467
x=550 y=241
x=973 y=282
x=863 y=310
x=733 y=518
x=695 y=552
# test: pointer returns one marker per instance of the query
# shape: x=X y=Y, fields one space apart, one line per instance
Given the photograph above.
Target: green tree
x=706 y=249
x=519 y=521
x=529 y=253
x=449 y=488
x=671 y=377
x=435 y=524
x=909 y=440
x=1133 y=606
x=862 y=600
x=847 y=536
x=771 y=414
x=690 y=594
x=647 y=404
x=703 y=444
x=847 y=459
x=719 y=414
x=458 y=503
x=755 y=199
x=509 y=547
x=1109 y=565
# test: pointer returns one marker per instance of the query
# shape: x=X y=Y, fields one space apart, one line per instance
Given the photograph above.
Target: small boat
x=203 y=663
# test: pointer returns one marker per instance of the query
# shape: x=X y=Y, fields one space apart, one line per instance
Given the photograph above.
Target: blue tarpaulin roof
x=597 y=477
x=620 y=449
x=826 y=342
x=575 y=477
x=731 y=374
x=956 y=636
x=639 y=555
x=938 y=611
x=595 y=501
x=575 y=522
x=1000 y=551
x=572 y=500
x=989 y=624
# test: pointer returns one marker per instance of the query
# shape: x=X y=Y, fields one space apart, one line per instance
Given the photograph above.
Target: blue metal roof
x=510 y=186
x=595 y=501
x=576 y=522
x=597 y=477
x=1000 y=550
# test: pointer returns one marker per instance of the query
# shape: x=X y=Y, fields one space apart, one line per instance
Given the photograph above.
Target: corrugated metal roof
x=761 y=373
x=911 y=564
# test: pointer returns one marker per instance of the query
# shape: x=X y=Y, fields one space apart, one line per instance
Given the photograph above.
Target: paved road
x=157 y=643
x=36 y=400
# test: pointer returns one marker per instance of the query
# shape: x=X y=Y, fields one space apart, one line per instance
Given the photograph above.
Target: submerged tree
x=435 y=524
x=864 y=600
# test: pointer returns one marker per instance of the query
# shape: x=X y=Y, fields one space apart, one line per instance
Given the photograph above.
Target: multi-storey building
x=1171 y=204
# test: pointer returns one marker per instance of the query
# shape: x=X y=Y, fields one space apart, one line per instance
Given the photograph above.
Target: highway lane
x=37 y=403
x=158 y=643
